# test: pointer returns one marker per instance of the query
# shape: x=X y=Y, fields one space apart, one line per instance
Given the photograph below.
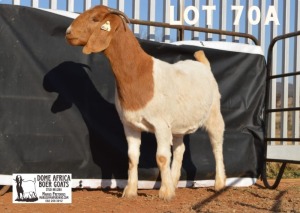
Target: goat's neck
x=133 y=70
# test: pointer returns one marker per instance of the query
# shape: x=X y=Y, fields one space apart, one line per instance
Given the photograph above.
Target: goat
x=169 y=100
x=25 y=188
x=19 y=187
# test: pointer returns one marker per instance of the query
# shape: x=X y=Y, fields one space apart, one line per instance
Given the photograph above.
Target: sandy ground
x=286 y=198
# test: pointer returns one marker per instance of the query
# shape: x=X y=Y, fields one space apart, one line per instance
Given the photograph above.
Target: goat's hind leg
x=215 y=127
x=134 y=141
x=178 y=151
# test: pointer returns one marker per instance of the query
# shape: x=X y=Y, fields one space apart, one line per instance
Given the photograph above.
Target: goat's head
x=95 y=28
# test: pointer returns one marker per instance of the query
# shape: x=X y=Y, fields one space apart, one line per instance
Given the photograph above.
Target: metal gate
x=282 y=147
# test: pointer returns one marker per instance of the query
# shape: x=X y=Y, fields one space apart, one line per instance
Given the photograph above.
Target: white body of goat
x=179 y=102
x=186 y=97
x=170 y=100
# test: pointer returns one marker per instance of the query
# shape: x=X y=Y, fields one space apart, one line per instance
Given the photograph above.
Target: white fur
x=185 y=93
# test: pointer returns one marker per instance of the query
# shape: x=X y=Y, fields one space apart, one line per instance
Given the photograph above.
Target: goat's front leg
x=163 y=158
x=134 y=141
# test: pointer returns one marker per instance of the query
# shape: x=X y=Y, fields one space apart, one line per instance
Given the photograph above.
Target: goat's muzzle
x=71 y=39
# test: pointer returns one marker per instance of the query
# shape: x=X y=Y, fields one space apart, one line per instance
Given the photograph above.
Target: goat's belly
x=186 y=124
x=180 y=123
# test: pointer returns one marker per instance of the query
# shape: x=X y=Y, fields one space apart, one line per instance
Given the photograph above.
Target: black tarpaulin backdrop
x=57 y=112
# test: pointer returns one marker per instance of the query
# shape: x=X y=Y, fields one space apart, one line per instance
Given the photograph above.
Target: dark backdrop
x=57 y=112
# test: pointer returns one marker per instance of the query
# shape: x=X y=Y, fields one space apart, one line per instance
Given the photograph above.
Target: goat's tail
x=200 y=56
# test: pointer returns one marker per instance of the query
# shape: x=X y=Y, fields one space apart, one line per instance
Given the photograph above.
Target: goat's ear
x=102 y=35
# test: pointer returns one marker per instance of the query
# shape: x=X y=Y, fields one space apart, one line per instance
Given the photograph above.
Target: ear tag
x=106 y=26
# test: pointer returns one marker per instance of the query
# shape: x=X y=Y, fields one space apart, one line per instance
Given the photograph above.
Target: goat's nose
x=68 y=31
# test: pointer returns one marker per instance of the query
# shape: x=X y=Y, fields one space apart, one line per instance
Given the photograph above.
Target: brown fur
x=161 y=161
x=132 y=67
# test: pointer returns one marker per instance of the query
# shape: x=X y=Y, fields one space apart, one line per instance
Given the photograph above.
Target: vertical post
x=236 y=28
x=53 y=4
x=70 y=5
x=296 y=117
x=105 y=2
x=262 y=31
x=180 y=35
x=249 y=26
x=209 y=35
x=17 y=2
x=121 y=5
x=151 y=17
x=273 y=90
x=180 y=9
x=136 y=15
x=87 y=4
x=285 y=68
x=196 y=35
x=223 y=9
x=35 y=3
x=167 y=31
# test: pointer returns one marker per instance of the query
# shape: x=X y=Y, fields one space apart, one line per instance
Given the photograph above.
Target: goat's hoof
x=220 y=185
x=129 y=192
x=166 y=193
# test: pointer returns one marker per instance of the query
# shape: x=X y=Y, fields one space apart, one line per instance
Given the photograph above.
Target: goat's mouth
x=74 y=40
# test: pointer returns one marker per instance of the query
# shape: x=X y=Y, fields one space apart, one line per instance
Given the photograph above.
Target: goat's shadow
x=106 y=135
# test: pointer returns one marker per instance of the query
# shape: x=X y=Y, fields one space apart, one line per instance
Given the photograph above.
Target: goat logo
x=26 y=190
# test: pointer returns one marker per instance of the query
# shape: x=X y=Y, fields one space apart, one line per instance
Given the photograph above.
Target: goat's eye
x=95 y=19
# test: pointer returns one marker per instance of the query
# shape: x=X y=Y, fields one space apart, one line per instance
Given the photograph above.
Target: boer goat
x=169 y=100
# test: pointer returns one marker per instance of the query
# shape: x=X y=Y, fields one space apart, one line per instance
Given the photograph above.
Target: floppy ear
x=102 y=35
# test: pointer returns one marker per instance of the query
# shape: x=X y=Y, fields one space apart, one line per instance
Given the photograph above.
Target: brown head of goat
x=104 y=29
x=95 y=28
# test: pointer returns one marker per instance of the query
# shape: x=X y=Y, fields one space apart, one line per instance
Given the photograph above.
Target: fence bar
x=262 y=31
x=283 y=139
x=105 y=2
x=167 y=31
x=236 y=28
x=284 y=75
x=223 y=19
x=283 y=109
x=192 y=28
x=136 y=15
x=195 y=35
x=70 y=5
x=53 y=4
x=35 y=3
x=17 y=2
x=151 y=17
x=296 y=117
x=209 y=35
x=248 y=24
x=273 y=90
x=87 y=4
x=121 y=5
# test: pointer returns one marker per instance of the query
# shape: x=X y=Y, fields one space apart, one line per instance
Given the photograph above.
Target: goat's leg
x=163 y=158
x=134 y=141
x=215 y=127
x=178 y=151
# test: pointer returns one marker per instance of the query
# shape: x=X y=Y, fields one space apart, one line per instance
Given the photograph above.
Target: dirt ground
x=286 y=198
